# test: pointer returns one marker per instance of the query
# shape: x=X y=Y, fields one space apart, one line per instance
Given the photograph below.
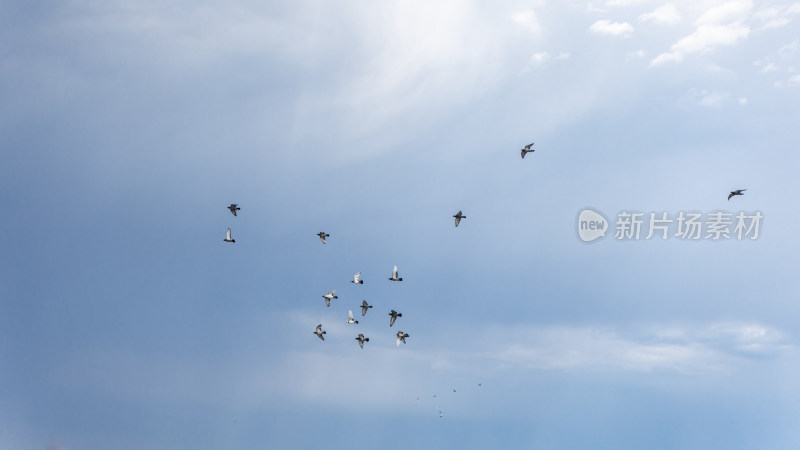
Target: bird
x=401 y=337
x=356 y=280
x=394 y=315
x=328 y=297
x=440 y=414
x=527 y=149
x=458 y=217
x=322 y=235
x=361 y=339
x=454 y=390
x=394 y=275
x=736 y=192
x=319 y=332
x=228 y=237
x=234 y=207
x=350 y=317
x=364 y=307
x=479 y=385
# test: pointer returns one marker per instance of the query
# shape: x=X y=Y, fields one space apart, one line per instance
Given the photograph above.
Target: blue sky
x=126 y=322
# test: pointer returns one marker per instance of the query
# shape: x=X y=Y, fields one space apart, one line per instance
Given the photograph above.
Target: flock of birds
x=400 y=336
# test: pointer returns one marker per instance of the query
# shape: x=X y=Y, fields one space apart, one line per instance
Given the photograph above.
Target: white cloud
x=789 y=82
x=666 y=15
x=636 y=54
x=704 y=98
x=721 y=25
x=563 y=55
x=743 y=101
x=770 y=67
x=538 y=58
x=528 y=19
x=623 y=29
x=775 y=16
x=622 y=2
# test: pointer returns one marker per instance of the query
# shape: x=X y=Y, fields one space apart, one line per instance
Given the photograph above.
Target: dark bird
x=319 y=332
x=322 y=235
x=328 y=297
x=736 y=192
x=234 y=208
x=356 y=279
x=361 y=339
x=394 y=315
x=228 y=236
x=458 y=217
x=527 y=149
x=350 y=318
x=401 y=337
x=364 y=307
x=394 y=275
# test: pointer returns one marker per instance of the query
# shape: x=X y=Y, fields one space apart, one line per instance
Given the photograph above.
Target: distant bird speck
x=356 y=279
x=527 y=149
x=736 y=192
x=234 y=207
x=361 y=339
x=350 y=318
x=394 y=275
x=228 y=236
x=394 y=315
x=364 y=307
x=401 y=337
x=319 y=332
x=328 y=297
x=322 y=235
x=458 y=217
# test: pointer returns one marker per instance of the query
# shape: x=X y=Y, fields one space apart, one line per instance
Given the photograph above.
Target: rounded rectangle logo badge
x=591 y=225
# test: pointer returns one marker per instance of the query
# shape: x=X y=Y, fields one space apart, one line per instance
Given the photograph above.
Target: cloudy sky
x=127 y=128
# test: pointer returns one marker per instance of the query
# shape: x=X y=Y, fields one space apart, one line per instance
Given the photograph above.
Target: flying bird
x=234 y=207
x=319 y=332
x=458 y=217
x=401 y=337
x=394 y=275
x=322 y=235
x=394 y=315
x=328 y=297
x=228 y=236
x=736 y=192
x=361 y=339
x=350 y=317
x=356 y=279
x=527 y=149
x=364 y=307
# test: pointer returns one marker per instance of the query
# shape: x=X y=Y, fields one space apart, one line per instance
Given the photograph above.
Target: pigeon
x=401 y=337
x=228 y=236
x=458 y=217
x=322 y=235
x=319 y=332
x=356 y=280
x=234 y=208
x=527 y=149
x=328 y=297
x=736 y=192
x=394 y=315
x=364 y=307
x=479 y=385
x=361 y=339
x=350 y=317
x=440 y=414
x=394 y=275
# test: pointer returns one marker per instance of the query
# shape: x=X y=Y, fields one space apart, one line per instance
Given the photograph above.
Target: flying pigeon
x=322 y=235
x=356 y=280
x=319 y=332
x=394 y=315
x=361 y=339
x=401 y=337
x=458 y=217
x=228 y=236
x=328 y=297
x=364 y=307
x=350 y=317
x=394 y=275
x=234 y=208
x=736 y=192
x=527 y=149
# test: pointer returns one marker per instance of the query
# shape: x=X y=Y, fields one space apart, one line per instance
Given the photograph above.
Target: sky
x=128 y=128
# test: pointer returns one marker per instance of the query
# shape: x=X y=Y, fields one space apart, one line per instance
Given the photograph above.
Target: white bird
x=458 y=217
x=527 y=149
x=319 y=332
x=350 y=317
x=364 y=307
x=328 y=297
x=401 y=337
x=361 y=339
x=394 y=275
x=322 y=235
x=234 y=207
x=356 y=280
x=228 y=236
